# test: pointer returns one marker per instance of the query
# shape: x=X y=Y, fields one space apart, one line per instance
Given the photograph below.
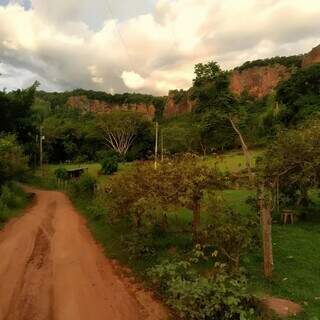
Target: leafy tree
x=178 y=182
x=16 y=116
x=291 y=166
x=206 y=72
x=109 y=165
x=211 y=91
x=13 y=162
x=300 y=95
x=121 y=129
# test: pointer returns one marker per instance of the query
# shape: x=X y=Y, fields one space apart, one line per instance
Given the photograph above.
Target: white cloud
x=71 y=44
x=132 y=80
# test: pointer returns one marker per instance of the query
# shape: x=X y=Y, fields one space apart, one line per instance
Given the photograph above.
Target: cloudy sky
x=147 y=46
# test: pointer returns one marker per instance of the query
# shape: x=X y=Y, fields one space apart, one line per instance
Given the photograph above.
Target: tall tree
x=120 y=129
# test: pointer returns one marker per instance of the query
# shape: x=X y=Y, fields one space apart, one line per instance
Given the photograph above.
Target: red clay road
x=51 y=269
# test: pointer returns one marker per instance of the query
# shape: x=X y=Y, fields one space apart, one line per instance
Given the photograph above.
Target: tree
x=211 y=90
x=206 y=72
x=16 y=116
x=300 y=95
x=179 y=182
x=120 y=129
x=291 y=165
x=13 y=162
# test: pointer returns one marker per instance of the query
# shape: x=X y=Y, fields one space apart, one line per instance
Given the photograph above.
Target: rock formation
x=258 y=81
x=312 y=57
x=98 y=106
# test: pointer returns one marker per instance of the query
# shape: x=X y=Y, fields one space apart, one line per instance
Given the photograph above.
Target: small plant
x=194 y=297
x=12 y=197
x=61 y=174
x=85 y=186
x=109 y=165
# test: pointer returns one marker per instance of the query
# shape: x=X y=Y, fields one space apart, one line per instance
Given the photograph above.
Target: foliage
x=61 y=174
x=228 y=234
x=122 y=128
x=145 y=192
x=13 y=162
x=12 y=198
x=181 y=135
x=178 y=95
x=85 y=186
x=289 y=62
x=206 y=72
x=219 y=296
x=17 y=116
x=216 y=107
x=109 y=165
x=294 y=159
x=300 y=95
x=70 y=135
x=59 y=99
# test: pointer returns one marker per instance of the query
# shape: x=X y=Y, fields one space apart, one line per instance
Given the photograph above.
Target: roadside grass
x=12 y=201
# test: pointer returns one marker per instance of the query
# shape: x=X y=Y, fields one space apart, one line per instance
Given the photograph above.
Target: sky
x=147 y=46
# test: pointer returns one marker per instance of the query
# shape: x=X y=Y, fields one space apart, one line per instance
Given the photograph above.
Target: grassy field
x=231 y=162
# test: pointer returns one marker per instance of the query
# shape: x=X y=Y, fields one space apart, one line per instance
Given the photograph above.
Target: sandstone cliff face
x=97 y=106
x=312 y=57
x=258 y=81
x=173 y=109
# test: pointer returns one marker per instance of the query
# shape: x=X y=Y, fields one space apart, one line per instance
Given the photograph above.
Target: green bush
x=84 y=186
x=13 y=163
x=109 y=165
x=12 y=197
x=195 y=297
x=61 y=174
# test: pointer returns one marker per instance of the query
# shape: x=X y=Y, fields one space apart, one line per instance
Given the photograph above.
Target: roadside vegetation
x=13 y=164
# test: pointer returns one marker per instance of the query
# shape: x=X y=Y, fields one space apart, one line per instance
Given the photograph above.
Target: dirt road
x=51 y=269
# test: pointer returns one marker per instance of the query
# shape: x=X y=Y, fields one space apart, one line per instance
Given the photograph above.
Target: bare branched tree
x=119 y=130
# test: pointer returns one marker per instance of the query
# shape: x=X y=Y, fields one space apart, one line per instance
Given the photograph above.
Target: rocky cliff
x=258 y=81
x=312 y=57
x=175 y=108
x=98 y=106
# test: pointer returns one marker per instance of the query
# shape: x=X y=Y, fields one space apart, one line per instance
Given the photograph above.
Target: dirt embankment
x=51 y=269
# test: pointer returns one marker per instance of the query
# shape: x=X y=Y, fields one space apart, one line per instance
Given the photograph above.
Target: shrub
x=13 y=163
x=11 y=197
x=194 y=297
x=109 y=165
x=85 y=186
x=61 y=174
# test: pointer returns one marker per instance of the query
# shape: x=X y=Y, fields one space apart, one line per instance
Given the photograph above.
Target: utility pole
x=41 y=151
x=156 y=146
x=161 y=145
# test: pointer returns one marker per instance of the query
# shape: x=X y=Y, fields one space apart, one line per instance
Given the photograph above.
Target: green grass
x=232 y=161
x=93 y=169
x=296 y=258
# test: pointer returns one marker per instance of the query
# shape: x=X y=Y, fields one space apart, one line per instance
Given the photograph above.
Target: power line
x=120 y=36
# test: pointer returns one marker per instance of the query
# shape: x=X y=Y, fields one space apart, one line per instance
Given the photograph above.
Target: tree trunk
x=245 y=152
x=196 y=221
x=266 y=226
